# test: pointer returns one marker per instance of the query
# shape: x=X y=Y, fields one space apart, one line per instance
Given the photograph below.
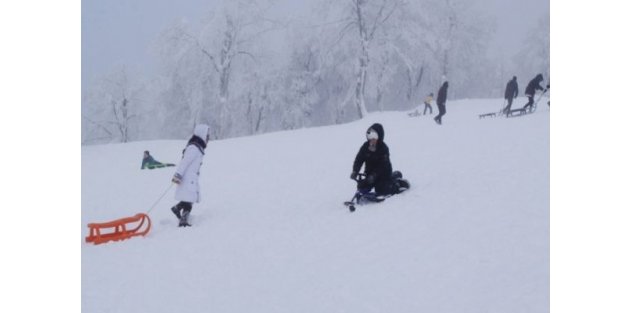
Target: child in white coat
x=187 y=174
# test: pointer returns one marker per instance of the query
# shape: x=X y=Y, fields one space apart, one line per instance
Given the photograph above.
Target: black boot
x=183 y=221
x=175 y=211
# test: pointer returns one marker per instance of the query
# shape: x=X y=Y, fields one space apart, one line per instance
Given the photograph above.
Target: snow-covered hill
x=271 y=233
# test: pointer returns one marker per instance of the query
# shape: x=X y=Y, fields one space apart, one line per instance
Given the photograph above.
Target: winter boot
x=403 y=185
x=175 y=211
x=183 y=221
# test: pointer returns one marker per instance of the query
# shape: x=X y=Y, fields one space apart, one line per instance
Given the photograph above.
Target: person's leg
x=180 y=208
x=530 y=101
x=509 y=106
x=364 y=186
x=177 y=210
x=186 y=208
x=384 y=187
x=442 y=111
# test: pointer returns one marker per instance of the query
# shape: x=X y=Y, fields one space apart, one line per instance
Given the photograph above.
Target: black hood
x=379 y=130
x=539 y=77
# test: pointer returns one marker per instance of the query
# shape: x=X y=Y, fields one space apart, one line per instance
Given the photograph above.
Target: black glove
x=370 y=179
x=353 y=176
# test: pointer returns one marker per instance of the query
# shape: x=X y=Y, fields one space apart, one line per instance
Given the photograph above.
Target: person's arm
x=384 y=162
x=359 y=160
x=190 y=153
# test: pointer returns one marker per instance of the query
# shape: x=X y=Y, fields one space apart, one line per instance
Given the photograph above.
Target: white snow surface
x=271 y=233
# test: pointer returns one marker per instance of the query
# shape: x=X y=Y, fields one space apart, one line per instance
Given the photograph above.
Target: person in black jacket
x=530 y=91
x=511 y=92
x=375 y=154
x=441 y=103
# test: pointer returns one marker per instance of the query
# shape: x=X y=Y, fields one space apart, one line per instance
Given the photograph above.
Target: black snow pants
x=530 y=102
x=442 y=111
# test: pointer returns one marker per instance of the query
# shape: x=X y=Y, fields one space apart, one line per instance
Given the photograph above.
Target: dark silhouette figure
x=530 y=91
x=441 y=103
x=511 y=92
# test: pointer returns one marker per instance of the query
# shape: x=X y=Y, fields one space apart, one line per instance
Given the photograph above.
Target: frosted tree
x=384 y=69
x=256 y=101
x=109 y=109
x=183 y=81
x=300 y=83
x=402 y=56
x=259 y=105
x=456 y=35
x=365 y=18
x=534 y=56
x=225 y=38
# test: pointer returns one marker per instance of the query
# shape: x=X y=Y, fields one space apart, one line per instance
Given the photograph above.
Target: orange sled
x=123 y=228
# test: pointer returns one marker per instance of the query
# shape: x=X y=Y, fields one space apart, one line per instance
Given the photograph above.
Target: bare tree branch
x=99 y=125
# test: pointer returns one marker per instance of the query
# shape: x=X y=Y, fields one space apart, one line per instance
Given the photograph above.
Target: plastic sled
x=365 y=196
x=120 y=229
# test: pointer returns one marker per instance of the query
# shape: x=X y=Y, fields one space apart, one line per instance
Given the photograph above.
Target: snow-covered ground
x=272 y=235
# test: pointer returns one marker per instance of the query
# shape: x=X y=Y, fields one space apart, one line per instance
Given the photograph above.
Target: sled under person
x=377 y=174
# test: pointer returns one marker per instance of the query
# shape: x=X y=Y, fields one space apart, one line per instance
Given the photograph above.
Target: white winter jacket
x=188 y=169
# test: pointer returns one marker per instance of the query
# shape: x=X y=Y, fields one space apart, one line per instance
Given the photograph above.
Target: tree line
x=243 y=70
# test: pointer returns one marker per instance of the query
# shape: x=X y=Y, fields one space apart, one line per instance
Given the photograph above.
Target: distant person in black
x=375 y=154
x=511 y=92
x=441 y=103
x=530 y=91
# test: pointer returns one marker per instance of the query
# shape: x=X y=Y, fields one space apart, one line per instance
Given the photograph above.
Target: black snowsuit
x=511 y=92
x=377 y=164
x=441 y=103
x=530 y=91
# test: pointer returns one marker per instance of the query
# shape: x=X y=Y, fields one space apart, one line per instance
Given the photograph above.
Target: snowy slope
x=271 y=233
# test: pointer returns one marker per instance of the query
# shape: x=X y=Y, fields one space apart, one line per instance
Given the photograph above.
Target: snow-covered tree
x=109 y=110
x=366 y=18
x=534 y=56
x=206 y=59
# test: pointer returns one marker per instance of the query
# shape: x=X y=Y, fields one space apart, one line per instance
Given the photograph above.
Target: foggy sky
x=117 y=33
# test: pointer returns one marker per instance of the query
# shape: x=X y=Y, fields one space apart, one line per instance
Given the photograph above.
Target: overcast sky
x=116 y=33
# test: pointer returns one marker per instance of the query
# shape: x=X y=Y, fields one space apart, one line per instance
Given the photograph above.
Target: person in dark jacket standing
x=530 y=91
x=511 y=92
x=375 y=154
x=441 y=103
